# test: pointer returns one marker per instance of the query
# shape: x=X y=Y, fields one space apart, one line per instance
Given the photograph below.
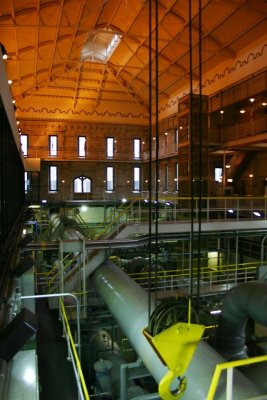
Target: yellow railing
x=51 y=277
x=122 y=211
x=204 y=272
x=229 y=382
x=79 y=373
x=179 y=278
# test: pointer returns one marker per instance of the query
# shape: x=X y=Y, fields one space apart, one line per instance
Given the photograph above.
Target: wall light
x=221 y=111
x=3 y=51
x=9 y=81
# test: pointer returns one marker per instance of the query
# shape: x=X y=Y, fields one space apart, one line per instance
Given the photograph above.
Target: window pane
x=218 y=174
x=77 y=185
x=166 y=177
x=24 y=144
x=53 y=145
x=86 y=185
x=26 y=181
x=53 y=180
x=176 y=179
x=137 y=148
x=137 y=185
x=110 y=147
x=176 y=136
x=81 y=146
x=110 y=178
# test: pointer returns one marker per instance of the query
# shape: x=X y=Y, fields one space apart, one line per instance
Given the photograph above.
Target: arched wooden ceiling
x=53 y=47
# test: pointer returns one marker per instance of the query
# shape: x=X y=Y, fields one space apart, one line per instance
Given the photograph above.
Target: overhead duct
x=128 y=303
x=243 y=302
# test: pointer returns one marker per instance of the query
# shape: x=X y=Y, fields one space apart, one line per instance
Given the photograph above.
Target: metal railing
x=73 y=356
x=229 y=367
x=211 y=280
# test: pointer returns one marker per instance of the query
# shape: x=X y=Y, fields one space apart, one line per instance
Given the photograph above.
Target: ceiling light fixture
x=252 y=99
x=242 y=111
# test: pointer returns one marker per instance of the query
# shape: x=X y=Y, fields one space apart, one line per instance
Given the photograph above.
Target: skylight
x=100 y=45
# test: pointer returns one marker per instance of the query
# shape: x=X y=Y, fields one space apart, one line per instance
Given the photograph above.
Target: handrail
x=113 y=221
x=204 y=271
x=74 y=356
x=229 y=381
x=56 y=272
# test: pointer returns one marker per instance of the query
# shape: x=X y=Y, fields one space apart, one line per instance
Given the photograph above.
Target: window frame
x=166 y=178
x=112 y=188
x=27 y=181
x=176 y=136
x=82 y=179
x=137 y=154
x=176 y=179
x=137 y=188
x=80 y=145
x=26 y=137
x=51 y=187
x=110 y=148
x=53 y=152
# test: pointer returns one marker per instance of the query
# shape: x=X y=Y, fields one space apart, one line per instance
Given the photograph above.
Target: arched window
x=82 y=184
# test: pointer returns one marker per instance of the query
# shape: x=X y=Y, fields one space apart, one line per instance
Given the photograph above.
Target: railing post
x=229 y=384
x=61 y=267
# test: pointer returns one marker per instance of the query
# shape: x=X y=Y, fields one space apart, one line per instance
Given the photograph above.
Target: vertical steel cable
x=157 y=146
x=150 y=158
x=200 y=119
x=191 y=131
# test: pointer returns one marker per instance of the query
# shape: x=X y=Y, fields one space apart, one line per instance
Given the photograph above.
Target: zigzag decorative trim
x=82 y=112
x=239 y=64
x=228 y=70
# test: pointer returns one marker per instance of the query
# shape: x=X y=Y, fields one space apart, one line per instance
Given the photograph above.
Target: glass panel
x=26 y=182
x=110 y=147
x=176 y=179
x=176 y=136
x=110 y=178
x=166 y=177
x=86 y=185
x=218 y=174
x=53 y=178
x=53 y=145
x=137 y=148
x=137 y=185
x=81 y=146
x=24 y=144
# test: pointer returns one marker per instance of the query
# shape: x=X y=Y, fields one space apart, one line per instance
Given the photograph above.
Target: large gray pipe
x=243 y=302
x=128 y=303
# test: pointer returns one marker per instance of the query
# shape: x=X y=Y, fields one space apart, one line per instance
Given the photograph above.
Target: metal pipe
x=248 y=300
x=128 y=303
